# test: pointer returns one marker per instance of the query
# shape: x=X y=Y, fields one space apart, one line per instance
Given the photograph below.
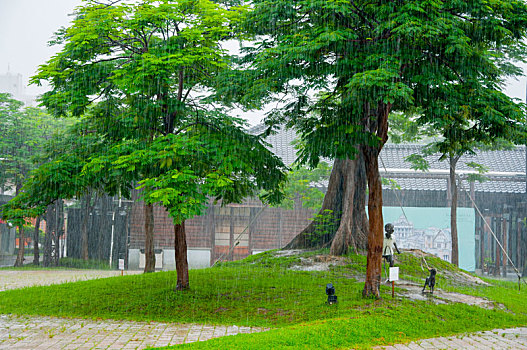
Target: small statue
x=389 y=245
x=430 y=281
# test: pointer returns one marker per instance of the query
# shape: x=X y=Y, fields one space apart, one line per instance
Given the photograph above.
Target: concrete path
x=24 y=332
x=514 y=338
x=13 y=279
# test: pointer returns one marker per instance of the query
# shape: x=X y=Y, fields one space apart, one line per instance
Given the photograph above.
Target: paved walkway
x=514 y=338
x=13 y=279
x=24 y=332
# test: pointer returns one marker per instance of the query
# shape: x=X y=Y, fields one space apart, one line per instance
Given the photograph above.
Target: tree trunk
x=59 y=228
x=180 y=247
x=150 y=257
x=21 y=247
x=453 y=210
x=346 y=189
x=375 y=235
x=376 y=122
x=36 y=236
x=50 y=212
x=524 y=251
x=360 y=219
x=104 y=224
x=86 y=205
x=343 y=238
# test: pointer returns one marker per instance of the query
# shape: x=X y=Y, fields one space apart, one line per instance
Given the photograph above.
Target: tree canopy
x=342 y=67
x=23 y=134
x=143 y=75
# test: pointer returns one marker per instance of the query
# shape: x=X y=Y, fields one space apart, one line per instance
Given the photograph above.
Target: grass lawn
x=262 y=291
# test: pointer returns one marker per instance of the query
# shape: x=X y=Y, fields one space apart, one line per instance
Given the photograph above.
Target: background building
x=13 y=83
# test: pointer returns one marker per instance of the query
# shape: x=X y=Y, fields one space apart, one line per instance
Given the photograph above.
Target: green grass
x=261 y=291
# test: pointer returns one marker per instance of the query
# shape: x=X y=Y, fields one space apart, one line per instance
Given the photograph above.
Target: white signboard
x=121 y=264
x=394 y=274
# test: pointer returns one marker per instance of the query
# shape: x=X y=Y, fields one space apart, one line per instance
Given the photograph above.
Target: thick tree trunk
x=21 y=247
x=150 y=257
x=360 y=219
x=36 y=236
x=453 y=210
x=180 y=247
x=86 y=205
x=343 y=239
x=332 y=201
x=375 y=236
x=376 y=122
x=346 y=189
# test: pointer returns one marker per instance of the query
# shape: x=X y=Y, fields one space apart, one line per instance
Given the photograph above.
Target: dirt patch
x=414 y=292
x=464 y=278
x=289 y=252
x=319 y=263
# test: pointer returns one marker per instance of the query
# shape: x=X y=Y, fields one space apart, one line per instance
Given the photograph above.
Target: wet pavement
x=25 y=332
x=13 y=279
x=513 y=338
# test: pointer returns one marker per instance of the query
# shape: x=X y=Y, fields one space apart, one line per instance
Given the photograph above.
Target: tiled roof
x=506 y=161
x=512 y=161
x=428 y=184
x=393 y=157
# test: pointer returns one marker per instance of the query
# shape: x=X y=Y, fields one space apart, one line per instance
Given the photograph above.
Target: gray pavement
x=25 y=332
x=13 y=279
x=513 y=338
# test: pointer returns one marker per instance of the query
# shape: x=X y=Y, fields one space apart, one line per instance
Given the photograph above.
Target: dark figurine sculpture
x=430 y=281
x=389 y=245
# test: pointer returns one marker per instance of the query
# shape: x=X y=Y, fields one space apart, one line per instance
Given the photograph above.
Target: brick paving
x=513 y=338
x=25 y=332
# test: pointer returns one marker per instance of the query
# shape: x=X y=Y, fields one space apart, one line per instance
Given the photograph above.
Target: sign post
x=121 y=266
x=394 y=276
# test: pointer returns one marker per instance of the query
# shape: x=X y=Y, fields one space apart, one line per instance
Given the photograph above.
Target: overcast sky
x=26 y=26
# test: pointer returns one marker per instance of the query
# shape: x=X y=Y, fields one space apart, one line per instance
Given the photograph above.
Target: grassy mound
x=285 y=292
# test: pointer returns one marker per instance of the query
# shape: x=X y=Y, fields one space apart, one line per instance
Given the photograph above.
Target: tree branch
x=198 y=122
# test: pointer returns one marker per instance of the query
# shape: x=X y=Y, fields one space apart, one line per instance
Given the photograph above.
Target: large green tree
x=23 y=134
x=149 y=64
x=219 y=160
x=346 y=65
x=151 y=67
